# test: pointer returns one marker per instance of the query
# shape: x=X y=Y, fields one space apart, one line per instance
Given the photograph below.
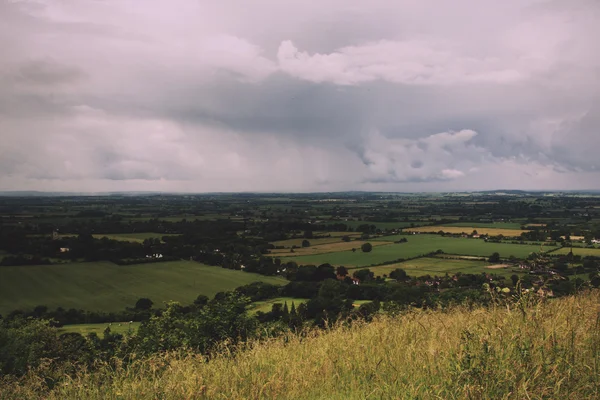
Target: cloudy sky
x=278 y=95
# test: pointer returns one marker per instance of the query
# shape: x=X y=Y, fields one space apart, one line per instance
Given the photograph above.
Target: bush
x=366 y=247
x=143 y=304
x=398 y=274
x=494 y=258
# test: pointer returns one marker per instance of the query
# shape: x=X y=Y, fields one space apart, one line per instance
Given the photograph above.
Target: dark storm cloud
x=291 y=96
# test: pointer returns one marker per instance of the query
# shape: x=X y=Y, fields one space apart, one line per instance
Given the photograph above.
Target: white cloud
x=438 y=157
x=405 y=62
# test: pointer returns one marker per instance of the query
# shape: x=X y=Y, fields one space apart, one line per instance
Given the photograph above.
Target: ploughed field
x=417 y=245
x=104 y=286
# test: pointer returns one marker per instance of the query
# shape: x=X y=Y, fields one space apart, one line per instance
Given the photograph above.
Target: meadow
x=267 y=305
x=115 y=327
x=417 y=245
x=434 y=266
x=467 y=230
x=104 y=286
x=133 y=237
x=534 y=349
x=288 y=243
x=578 y=251
x=379 y=225
x=337 y=246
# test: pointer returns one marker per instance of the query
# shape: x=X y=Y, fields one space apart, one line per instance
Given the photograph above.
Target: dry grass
x=467 y=230
x=532 y=350
x=575 y=238
x=498 y=266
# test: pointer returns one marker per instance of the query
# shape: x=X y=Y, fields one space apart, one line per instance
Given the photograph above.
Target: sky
x=299 y=96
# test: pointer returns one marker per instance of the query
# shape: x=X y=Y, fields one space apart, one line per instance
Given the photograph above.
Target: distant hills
x=513 y=192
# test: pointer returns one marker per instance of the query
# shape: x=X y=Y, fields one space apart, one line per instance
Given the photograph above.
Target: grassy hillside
x=548 y=350
x=105 y=286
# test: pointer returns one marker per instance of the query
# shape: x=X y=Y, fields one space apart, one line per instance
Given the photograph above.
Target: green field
x=313 y=242
x=380 y=225
x=115 y=327
x=105 y=286
x=133 y=237
x=438 y=266
x=266 y=305
x=391 y=238
x=417 y=245
x=578 y=251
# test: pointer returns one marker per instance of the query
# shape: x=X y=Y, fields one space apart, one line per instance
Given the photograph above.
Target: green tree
x=514 y=278
x=295 y=321
x=494 y=258
x=341 y=271
x=364 y=275
x=285 y=315
x=398 y=274
x=222 y=319
x=366 y=247
x=305 y=243
x=143 y=304
x=201 y=300
x=25 y=344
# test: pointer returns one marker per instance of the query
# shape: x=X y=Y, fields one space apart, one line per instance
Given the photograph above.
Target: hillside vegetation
x=534 y=349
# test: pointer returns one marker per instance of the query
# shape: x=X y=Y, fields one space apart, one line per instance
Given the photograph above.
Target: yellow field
x=467 y=230
x=575 y=238
x=325 y=248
